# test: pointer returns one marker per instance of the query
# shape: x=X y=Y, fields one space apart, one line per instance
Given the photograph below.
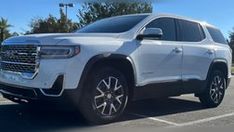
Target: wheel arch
x=117 y=61
x=219 y=64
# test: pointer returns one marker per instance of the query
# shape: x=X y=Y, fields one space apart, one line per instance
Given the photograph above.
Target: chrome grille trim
x=18 y=63
x=20 y=59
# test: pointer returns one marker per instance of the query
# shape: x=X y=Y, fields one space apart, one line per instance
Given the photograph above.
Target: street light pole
x=66 y=11
x=66 y=5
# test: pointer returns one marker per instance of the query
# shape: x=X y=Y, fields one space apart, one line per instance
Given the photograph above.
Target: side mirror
x=150 y=33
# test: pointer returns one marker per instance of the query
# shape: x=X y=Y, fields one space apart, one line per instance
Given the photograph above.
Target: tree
x=4 y=32
x=91 y=12
x=231 y=43
x=231 y=36
x=52 y=25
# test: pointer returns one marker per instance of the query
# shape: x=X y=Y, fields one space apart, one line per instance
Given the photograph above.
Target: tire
x=215 y=90
x=105 y=96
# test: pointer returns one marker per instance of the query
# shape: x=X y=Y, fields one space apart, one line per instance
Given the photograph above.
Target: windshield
x=113 y=25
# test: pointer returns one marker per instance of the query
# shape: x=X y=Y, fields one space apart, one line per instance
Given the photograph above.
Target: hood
x=54 y=39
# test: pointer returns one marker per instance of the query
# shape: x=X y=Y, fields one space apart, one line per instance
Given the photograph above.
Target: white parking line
x=5 y=101
x=187 y=123
x=157 y=119
x=207 y=119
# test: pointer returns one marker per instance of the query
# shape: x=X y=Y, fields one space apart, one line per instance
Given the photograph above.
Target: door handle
x=178 y=50
x=210 y=52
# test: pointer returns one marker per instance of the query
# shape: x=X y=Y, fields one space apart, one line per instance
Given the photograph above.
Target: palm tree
x=3 y=28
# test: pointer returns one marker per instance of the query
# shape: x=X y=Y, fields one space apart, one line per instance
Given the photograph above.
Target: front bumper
x=47 y=83
x=56 y=93
x=49 y=70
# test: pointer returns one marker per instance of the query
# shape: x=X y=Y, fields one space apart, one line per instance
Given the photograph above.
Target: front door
x=160 y=61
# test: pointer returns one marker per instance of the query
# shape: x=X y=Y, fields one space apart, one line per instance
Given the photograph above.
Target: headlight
x=58 y=52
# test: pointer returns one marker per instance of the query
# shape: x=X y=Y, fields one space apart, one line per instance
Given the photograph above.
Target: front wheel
x=105 y=97
x=215 y=91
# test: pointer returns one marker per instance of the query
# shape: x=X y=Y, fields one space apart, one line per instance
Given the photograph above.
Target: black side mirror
x=150 y=33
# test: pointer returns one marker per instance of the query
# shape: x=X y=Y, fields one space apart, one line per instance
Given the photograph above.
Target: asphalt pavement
x=173 y=113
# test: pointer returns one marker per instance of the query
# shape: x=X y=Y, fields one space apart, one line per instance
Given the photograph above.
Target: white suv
x=105 y=65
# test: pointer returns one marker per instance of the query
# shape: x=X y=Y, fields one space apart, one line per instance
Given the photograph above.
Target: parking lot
x=179 y=112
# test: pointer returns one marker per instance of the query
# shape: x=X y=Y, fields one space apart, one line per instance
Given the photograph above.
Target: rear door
x=198 y=53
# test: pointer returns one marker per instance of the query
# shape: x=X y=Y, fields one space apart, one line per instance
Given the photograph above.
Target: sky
x=217 y=12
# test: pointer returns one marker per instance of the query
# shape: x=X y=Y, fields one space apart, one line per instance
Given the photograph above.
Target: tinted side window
x=190 y=31
x=168 y=27
x=216 y=35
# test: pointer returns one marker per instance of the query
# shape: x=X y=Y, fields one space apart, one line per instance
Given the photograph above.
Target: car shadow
x=160 y=107
x=14 y=117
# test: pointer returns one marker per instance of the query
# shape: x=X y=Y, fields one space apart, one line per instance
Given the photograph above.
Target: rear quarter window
x=216 y=35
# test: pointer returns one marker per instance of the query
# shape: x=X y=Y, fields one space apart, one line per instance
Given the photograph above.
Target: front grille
x=19 y=58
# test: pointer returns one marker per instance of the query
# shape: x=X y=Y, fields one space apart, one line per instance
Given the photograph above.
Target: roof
x=174 y=16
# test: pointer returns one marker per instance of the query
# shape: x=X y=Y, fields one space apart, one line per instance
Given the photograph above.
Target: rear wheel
x=215 y=91
x=105 y=97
